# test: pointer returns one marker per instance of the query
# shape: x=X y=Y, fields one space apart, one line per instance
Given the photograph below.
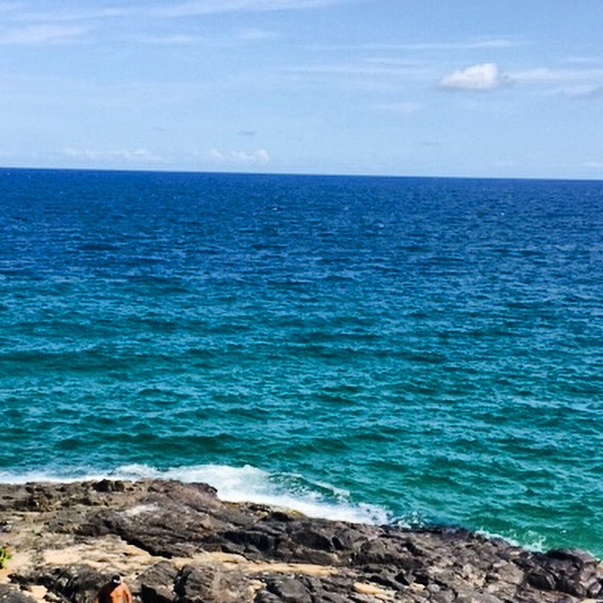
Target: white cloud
x=596 y=165
x=42 y=34
x=579 y=83
x=484 y=76
x=120 y=155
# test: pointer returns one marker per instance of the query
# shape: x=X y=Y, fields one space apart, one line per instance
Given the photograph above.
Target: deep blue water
x=394 y=349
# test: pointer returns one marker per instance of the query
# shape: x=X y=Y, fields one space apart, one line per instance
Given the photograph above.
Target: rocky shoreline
x=178 y=543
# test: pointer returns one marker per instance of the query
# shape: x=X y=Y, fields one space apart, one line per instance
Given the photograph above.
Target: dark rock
x=377 y=551
x=157 y=583
x=542 y=579
x=567 y=571
x=106 y=485
x=311 y=537
x=10 y=594
x=74 y=583
x=265 y=596
x=212 y=585
x=289 y=590
x=251 y=540
x=307 y=555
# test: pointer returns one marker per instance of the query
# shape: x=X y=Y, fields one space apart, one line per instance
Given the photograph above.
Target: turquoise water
x=379 y=349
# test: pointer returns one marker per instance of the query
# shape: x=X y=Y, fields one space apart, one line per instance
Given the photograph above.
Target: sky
x=461 y=88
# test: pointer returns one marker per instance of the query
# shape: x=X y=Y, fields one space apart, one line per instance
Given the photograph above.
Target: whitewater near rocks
x=179 y=543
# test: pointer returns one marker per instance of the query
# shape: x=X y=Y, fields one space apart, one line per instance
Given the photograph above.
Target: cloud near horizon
x=119 y=155
x=257 y=157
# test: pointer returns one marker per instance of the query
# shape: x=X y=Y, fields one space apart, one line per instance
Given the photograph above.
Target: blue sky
x=500 y=88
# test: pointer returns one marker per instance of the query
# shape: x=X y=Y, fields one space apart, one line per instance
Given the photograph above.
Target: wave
x=235 y=484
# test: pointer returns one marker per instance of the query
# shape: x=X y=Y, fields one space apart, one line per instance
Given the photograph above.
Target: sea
x=406 y=351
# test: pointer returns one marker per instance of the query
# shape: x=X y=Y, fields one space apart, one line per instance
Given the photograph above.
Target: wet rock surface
x=178 y=543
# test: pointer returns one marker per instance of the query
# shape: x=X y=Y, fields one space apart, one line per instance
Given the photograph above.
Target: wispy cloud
x=82 y=14
x=208 y=7
x=256 y=157
x=546 y=75
x=7 y=7
x=481 y=77
x=584 y=92
x=482 y=43
x=140 y=156
x=582 y=60
x=364 y=69
x=173 y=39
x=234 y=40
x=256 y=35
x=43 y=34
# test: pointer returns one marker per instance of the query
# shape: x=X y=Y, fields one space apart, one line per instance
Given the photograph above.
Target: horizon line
x=292 y=174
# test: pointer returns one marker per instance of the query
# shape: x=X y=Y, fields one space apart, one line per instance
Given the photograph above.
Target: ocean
x=412 y=351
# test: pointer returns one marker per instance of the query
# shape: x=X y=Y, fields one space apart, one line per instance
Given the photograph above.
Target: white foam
x=250 y=484
x=238 y=484
x=10 y=477
x=530 y=541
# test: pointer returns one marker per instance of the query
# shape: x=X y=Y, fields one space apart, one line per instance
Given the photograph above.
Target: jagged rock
x=568 y=571
x=289 y=590
x=211 y=584
x=178 y=543
x=9 y=594
x=157 y=583
x=76 y=583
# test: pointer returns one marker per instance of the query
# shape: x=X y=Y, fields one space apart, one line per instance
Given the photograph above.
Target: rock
x=75 y=583
x=9 y=594
x=289 y=590
x=212 y=585
x=567 y=571
x=157 y=583
x=178 y=543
